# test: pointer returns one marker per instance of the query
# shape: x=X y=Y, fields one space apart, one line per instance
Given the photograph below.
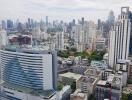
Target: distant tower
x=47 y=20
x=111 y=18
x=73 y=22
x=120 y=38
x=3 y=23
x=9 y=24
x=82 y=20
x=99 y=24
x=3 y=37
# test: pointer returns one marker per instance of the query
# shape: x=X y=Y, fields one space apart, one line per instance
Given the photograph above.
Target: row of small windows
x=25 y=79
x=10 y=57
x=20 y=81
x=19 y=55
x=23 y=63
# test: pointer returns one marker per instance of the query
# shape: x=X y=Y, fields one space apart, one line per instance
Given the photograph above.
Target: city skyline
x=60 y=9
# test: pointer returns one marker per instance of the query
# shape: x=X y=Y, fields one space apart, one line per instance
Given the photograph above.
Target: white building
x=78 y=95
x=100 y=44
x=120 y=38
x=60 y=41
x=28 y=72
x=3 y=38
x=36 y=33
x=84 y=35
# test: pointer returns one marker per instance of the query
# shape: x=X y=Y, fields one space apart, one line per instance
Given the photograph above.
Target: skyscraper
x=3 y=23
x=60 y=41
x=120 y=38
x=73 y=22
x=130 y=46
x=29 y=71
x=111 y=18
x=9 y=24
x=3 y=37
x=82 y=21
x=47 y=20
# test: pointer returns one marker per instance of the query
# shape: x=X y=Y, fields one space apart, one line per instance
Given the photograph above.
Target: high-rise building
x=73 y=22
x=82 y=21
x=30 y=23
x=28 y=72
x=60 y=41
x=84 y=35
x=120 y=38
x=130 y=46
x=47 y=20
x=3 y=23
x=111 y=18
x=99 y=24
x=9 y=24
x=3 y=37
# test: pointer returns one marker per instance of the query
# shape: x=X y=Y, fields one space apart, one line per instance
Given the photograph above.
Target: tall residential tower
x=120 y=38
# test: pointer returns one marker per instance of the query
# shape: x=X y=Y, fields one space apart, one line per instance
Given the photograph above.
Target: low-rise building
x=86 y=84
x=129 y=71
x=106 y=73
x=69 y=77
x=64 y=94
x=127 y=92
x=93 y=72
x=78 y=95
x=99 y=64
x=128 y=89
x=110 y=89
x=79 y=69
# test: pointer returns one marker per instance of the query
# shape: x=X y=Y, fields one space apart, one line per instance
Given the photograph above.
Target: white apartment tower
x=120 y=38
x=3 y=37
x=84 y=35
x=60 y=41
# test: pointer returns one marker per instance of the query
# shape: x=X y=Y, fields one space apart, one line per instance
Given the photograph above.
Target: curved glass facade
x=23 y=69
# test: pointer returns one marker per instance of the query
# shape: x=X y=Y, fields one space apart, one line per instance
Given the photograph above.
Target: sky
x=60 y=9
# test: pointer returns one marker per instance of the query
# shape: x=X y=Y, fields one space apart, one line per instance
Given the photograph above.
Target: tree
x=73 y=86
x=73 y=50
x=96 y=56
x=124 y=97
x=59 y=86
x=91 y=97
x=64 y=54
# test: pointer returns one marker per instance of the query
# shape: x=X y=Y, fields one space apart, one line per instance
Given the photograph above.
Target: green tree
x=59 y=86
x=124 y=97
x=96 y=56
x=73 y=86
x=91 y=97
x=73 y=50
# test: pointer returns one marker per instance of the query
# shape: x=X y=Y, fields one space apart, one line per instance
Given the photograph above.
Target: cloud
x=60 y=9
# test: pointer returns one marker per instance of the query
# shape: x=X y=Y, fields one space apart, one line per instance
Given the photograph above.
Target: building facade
x=28 y=71
x=120 y=38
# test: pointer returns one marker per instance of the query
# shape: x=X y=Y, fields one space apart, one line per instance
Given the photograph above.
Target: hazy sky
x=60 y=9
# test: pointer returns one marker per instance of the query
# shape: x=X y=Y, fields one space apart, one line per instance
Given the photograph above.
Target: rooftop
x=128 y=89
x=30 y=50
x=77 y=95
x=93 y=72
x=87 y=79
x=101 y=82
x=112 y=80
x=71 y=75
x=41 y=93
x=99 y=64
